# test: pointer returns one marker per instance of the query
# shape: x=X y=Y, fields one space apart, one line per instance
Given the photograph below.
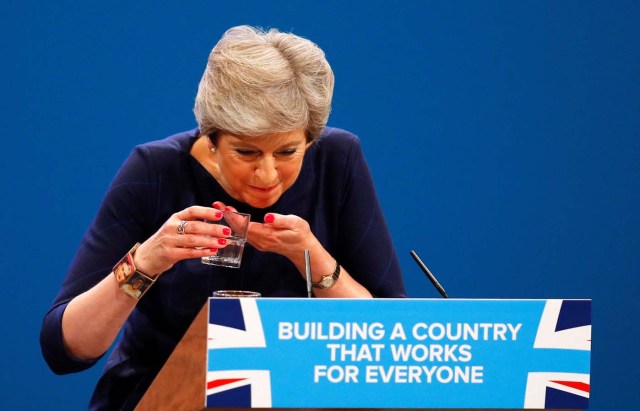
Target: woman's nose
x=266 y=171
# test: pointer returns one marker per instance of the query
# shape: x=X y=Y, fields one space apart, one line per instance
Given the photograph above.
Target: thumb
x=280 y=220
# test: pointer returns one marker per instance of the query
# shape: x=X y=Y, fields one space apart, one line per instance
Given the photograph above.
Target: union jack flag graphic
x=254 y=357
x=235 y=323
x=564 y=325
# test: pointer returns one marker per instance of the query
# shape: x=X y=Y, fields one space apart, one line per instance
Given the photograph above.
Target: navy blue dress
x=334 y=193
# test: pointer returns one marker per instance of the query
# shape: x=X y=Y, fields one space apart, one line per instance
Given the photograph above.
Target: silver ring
x=181 y=227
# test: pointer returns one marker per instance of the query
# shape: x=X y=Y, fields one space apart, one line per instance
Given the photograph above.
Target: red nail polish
x=269 y=218
x=213 y=250
x=226 y=231
x=218 y=214
x=227 y=209
x=222 y=241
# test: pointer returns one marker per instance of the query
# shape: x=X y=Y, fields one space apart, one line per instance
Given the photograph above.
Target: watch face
x=327 y=281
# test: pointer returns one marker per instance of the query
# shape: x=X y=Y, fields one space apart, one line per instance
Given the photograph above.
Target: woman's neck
x=201 y=151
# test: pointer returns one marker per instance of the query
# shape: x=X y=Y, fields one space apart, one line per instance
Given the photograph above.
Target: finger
x=199 y=241
x=229 y=208
x=261 y=236
x=219 y=205
x=187 y=253
x=204 y=228
x=281 y=221
x=198 y=213
x=260 y=229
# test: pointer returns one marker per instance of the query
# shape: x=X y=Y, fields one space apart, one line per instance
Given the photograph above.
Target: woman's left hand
x=287 y=235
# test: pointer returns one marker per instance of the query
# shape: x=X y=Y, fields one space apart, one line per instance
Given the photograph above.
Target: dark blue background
x=504 y=138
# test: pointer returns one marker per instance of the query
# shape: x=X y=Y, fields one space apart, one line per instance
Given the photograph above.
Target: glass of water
x=231 y=255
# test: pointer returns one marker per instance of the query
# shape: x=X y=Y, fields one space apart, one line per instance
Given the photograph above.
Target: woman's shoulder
x=338 y=136
x=337 y=142
x=176 y=143
x=152 y=159
x=170 y=153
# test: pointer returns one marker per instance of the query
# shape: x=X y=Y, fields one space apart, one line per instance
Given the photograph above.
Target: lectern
x=380 y=354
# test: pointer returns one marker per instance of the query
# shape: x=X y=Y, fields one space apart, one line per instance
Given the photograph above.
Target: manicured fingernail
x=227 y=209
x=213 y=250
x=226 y=231
x=218 y=214
x=222 y=241
x=269 y=218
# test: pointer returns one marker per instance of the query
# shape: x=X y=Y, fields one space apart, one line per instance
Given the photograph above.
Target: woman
x=261 y=147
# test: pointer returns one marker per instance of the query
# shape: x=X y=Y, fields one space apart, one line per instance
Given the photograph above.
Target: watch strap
x=137 y=284
x=334 y=277
x=130 y=280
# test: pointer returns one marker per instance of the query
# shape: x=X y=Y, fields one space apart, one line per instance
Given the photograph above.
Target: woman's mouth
x=264 y=189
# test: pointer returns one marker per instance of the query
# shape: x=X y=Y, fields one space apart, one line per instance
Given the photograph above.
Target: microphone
x=428 y=273
x=307 y=269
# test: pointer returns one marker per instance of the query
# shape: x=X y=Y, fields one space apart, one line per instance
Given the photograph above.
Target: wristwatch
x=328 y=281
x=133 y=282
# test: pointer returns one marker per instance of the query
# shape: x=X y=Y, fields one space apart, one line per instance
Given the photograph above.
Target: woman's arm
x=93 y=319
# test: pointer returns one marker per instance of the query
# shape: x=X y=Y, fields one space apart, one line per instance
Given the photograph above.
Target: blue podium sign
x=390 y=353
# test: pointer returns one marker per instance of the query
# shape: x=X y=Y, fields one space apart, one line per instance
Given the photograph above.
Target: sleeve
x=121 y=221
x=365 y=247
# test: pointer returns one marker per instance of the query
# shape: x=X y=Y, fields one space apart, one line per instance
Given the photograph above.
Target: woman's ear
x=310 y=143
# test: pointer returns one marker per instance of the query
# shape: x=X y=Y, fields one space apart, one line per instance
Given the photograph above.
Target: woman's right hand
x=168 y=246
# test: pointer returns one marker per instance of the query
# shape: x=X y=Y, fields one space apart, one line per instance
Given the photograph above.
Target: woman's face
x=258 y=170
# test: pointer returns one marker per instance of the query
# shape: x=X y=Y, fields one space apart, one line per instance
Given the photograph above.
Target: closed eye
x=287 y=152
x=246 y=152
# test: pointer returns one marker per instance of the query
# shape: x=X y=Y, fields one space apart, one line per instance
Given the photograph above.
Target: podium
x=379 y=354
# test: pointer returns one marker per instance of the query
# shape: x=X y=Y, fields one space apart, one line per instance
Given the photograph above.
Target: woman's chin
x=262 y=202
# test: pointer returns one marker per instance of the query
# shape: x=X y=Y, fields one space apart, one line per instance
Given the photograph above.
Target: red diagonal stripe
x=575 y=384
x=217 y=383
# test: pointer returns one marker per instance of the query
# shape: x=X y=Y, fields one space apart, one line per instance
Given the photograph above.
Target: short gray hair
x=263 y=82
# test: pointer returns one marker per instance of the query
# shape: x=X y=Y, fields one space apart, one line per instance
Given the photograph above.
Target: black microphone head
x=429 y=275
